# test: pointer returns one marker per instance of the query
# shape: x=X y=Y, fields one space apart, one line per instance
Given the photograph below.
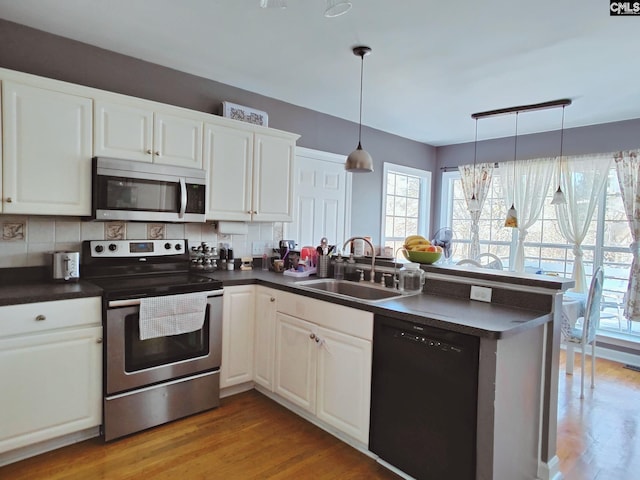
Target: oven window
x=153 y=352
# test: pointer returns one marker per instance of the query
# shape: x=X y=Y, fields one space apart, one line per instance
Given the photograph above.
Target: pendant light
x=474 y=205
x=335 y=8
x=359 y=160
x=512 y=215
x=558 y=197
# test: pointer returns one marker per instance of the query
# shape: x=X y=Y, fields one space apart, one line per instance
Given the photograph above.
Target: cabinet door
x=228 y=157
x=264 y=342
x=273 y=178
x=177 y=141
x=344 y=382
x=47 y=151
x=51 y=385
x=295 y=367
x=123 y=131
x=237 y=335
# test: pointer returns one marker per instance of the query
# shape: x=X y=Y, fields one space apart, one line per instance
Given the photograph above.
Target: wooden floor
x=251 y=437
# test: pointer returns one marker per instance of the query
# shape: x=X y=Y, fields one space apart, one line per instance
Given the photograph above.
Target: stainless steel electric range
x=153 y=380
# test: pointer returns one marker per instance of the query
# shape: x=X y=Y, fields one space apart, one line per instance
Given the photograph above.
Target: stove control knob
x=99 y=249
x=112 y=247
x=178 y=246
x=167 y=246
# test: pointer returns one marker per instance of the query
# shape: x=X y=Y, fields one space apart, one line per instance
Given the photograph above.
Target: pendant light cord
x=361 y=80
x=475 y=153
x=515 y=156
x=561 y=143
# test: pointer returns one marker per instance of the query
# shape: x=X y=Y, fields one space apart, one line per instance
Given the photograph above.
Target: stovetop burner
x=127 y=269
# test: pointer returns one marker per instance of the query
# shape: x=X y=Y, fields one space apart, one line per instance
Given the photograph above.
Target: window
x=405 y=210
x=606 y=243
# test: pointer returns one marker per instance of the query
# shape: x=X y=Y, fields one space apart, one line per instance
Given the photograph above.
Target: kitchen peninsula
x=518 y=356
x=519 y=340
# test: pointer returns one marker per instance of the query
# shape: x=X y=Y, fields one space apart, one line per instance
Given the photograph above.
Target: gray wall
x=40 y=53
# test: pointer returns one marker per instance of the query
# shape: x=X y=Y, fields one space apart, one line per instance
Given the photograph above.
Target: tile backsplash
x=28 y=241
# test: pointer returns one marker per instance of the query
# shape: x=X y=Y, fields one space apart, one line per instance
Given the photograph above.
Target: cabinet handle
x=272 y=299
x=149 y=152
x=157 y=153
x=99 y=340
x=9 y=200
x=40 y=318
x=312 y=336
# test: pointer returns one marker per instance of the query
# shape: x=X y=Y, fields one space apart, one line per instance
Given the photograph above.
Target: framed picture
x=245 y=114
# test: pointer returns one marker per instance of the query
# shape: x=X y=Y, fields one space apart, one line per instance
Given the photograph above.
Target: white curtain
x=525 y=184
x=628 y=169
x=477 y=182
x=583 y=178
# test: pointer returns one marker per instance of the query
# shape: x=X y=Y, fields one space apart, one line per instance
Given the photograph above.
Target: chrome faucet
x=373 y=254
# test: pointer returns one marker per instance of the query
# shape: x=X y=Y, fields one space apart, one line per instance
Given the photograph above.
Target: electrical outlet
x=258 y=248
x=482 y=294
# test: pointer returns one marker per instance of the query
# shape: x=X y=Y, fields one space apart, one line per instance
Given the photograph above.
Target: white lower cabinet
x=295 y=367
x=264 y=339
x=50 y=370
x=237 y=335
x=322 y=369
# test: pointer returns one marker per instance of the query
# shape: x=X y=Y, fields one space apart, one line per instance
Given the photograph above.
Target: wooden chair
x=584 y=331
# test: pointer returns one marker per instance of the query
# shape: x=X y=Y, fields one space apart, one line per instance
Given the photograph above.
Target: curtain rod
x=523 y=108
x=455 y=169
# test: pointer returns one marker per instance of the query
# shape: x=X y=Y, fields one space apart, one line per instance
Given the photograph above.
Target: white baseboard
x=18 y=454
x=610 y=354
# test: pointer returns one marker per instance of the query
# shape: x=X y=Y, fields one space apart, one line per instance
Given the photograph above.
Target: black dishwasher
x=424 y=399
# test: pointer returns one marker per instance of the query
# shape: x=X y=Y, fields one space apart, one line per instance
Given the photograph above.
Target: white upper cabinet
x=123 y=131
x=47 y=144
x=250 y=173
x=136 y=131
x=274 y=157
x=228 y=154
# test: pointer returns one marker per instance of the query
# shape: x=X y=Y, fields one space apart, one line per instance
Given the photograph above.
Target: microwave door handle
x=183 y=198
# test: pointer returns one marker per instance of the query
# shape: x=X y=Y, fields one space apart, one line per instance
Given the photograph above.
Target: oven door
x=132 y=363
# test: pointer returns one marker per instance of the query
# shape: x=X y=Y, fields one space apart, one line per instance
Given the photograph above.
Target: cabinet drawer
x=45 y=316
x=351 y=321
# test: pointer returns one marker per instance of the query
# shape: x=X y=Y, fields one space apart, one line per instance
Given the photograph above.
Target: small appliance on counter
x=65 y=266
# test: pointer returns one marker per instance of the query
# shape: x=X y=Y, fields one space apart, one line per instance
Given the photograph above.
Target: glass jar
x=338 y=268
x=412 y=278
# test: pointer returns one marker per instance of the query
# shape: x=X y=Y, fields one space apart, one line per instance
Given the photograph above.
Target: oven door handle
x=136 y=301
x=183 y=197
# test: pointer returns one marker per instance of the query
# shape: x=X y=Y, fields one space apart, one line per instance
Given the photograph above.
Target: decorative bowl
x=421 y=257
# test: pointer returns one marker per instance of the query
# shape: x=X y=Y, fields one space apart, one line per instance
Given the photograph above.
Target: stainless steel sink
x=361 y=291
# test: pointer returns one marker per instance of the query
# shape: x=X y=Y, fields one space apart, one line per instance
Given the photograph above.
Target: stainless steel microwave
x=147 y=192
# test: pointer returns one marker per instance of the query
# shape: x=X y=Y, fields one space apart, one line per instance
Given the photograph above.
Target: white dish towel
x=172 y=314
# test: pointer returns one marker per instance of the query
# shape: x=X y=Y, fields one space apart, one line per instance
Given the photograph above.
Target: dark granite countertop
x=460 y=315
x=44 y=291
x=457 y=314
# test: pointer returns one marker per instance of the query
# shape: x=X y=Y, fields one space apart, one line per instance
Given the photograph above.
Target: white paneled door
x=322 y=199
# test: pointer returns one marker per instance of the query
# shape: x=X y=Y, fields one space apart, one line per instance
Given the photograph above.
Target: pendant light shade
x=359 y=161
x=558 y=197
x=335 y=8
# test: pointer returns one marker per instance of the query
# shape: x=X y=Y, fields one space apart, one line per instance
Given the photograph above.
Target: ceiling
x=433 y=64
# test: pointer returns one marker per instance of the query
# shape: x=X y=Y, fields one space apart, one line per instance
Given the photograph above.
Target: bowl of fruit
x=418 y=249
